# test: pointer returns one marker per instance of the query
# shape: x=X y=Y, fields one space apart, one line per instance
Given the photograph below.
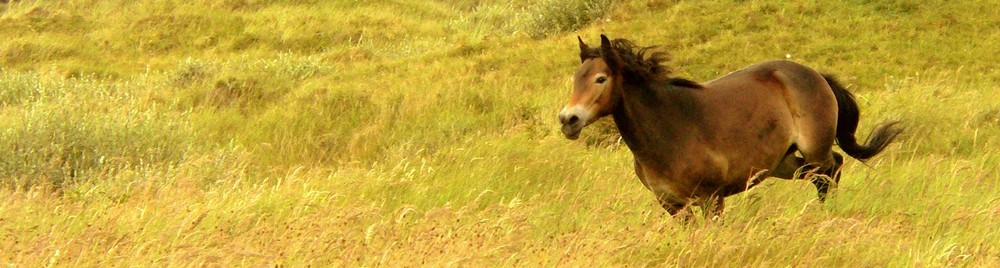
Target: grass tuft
x=52 y=137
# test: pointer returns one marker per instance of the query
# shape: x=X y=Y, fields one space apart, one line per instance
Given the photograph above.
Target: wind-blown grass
x=364 y=133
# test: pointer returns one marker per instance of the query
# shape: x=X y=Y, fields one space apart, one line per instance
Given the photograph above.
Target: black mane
x=639 y=68
x=681 y=82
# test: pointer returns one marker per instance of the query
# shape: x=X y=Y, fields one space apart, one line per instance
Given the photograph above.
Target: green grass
x=422 y=133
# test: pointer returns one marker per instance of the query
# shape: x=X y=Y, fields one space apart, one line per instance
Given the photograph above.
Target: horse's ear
x=609 y=54
x=583 y=49
x=605 y=42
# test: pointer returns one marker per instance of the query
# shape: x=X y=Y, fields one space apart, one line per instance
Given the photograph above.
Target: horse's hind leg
x=822 y=170
x=830 y=176
x=824 y=174
x=789 y=167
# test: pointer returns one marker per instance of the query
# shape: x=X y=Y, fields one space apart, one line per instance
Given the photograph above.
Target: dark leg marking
x=828 y=178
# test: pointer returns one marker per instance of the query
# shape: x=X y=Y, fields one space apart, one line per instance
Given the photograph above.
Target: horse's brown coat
x=694 y=143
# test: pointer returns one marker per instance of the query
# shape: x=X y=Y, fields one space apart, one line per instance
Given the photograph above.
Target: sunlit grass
x=365 y=133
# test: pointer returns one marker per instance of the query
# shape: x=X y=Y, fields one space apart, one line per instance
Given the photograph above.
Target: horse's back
x=800 y=88
x=765 y=73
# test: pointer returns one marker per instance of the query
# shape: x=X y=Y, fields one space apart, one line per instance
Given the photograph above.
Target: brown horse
x=695 y=144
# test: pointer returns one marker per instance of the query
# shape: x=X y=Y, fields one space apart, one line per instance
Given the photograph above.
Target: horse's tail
x=847 y=124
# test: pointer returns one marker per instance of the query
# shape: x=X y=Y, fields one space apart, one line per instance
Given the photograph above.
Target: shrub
x=558 y=16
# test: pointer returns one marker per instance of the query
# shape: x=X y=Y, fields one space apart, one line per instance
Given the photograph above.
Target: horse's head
x=596 y=88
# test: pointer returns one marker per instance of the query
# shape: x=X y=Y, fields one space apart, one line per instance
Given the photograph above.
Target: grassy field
x=421 y=133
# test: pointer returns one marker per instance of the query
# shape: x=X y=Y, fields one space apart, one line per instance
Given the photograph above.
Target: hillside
x=405 y=133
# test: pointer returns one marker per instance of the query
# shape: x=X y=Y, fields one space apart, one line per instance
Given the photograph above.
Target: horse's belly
x=685 y=181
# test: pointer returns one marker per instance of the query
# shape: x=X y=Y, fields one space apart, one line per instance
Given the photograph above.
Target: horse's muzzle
x=571 y=131
x=572 y=123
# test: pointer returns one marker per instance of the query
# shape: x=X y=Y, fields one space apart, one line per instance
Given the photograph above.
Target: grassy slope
x=414 y=132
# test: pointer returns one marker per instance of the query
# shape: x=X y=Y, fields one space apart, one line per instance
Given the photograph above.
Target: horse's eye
x=601 y=80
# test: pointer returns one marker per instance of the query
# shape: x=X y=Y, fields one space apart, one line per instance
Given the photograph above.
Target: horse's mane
x=641 y=65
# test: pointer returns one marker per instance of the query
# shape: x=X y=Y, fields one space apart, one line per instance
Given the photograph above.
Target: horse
x=696 y=143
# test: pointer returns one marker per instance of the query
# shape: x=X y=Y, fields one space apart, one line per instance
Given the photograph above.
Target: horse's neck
x=656 y=122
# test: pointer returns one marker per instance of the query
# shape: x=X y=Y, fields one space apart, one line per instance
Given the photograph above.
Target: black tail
x=847 y=124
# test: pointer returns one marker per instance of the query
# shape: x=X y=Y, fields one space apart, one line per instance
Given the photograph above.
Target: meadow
x=423 y=133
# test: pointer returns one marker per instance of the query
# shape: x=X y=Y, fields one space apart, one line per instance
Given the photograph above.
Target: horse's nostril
x=573 y=119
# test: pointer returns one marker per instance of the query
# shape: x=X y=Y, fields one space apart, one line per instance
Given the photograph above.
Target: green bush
x=558 y=16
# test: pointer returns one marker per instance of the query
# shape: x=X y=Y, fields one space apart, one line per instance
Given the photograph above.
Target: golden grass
x=420 y=133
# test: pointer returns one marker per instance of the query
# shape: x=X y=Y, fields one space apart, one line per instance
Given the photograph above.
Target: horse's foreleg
x=679 y=211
